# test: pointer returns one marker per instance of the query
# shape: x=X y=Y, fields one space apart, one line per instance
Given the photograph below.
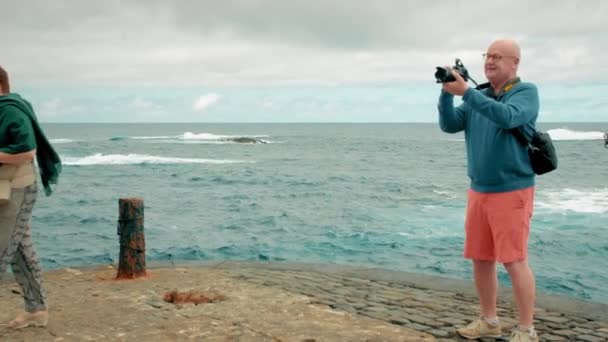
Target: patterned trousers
x=16 y=246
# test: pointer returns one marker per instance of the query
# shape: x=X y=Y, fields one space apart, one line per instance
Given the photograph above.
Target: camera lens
x=444 y=75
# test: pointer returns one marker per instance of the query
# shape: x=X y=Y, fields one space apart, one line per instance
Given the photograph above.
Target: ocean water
x=373 y=195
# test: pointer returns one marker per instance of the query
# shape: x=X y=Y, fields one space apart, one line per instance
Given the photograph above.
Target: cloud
x=57 y=108
x=143 y=105
x=205 y=102
x=243 y=42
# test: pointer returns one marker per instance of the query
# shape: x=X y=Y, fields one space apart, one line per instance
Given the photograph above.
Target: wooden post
x=132 y=258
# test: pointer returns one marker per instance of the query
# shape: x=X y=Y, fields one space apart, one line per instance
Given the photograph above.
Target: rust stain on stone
x=193 y=296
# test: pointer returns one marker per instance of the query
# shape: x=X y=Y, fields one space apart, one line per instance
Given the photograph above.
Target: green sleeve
x=18 y=132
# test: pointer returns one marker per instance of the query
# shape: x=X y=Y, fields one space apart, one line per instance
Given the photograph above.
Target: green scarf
x=49 y=163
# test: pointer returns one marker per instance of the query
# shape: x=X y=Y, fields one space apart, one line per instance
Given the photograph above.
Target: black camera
x=444 y=75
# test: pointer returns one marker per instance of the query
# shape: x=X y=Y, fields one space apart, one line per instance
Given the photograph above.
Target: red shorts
x=497 y=225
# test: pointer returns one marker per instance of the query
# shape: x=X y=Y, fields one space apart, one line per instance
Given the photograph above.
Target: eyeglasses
x=495 y=57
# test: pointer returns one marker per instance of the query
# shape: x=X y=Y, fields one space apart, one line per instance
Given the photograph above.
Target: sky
x=289 y=61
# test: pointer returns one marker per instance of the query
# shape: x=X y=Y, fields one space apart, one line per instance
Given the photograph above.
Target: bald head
x=508 y=46
x=502 y=62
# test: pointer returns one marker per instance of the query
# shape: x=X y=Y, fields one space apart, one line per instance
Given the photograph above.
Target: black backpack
x=540 y=149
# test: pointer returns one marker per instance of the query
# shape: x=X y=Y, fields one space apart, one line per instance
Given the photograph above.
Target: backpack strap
x=520 y=136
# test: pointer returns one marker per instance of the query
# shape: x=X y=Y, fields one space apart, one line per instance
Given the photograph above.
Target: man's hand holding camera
x=454 y=79
x=457 y=87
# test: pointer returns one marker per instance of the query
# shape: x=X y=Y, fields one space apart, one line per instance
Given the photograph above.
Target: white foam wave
x=152 y=137
x=202 y=136
x=61 y=141
x=566 y=134
x=447 y=194
x=210 y=142
x=211 y=136
x=571 y=200
x=431 y=233
x=193 y=142
x=199 y=136
x=122 y=159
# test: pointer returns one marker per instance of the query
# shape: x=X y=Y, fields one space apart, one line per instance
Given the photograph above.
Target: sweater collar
x=505 y=89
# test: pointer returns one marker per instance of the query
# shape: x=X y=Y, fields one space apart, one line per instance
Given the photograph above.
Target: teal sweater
x=496 y=160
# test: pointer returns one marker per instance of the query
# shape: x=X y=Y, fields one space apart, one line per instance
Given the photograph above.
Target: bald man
x=501 y=194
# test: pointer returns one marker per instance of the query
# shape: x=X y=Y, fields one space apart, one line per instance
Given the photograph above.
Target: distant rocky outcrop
x=247 y=140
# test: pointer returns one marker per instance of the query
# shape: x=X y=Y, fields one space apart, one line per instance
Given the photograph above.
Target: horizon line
x=288 y=122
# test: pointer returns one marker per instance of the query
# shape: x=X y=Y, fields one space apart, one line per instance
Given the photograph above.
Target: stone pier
x=277 y=302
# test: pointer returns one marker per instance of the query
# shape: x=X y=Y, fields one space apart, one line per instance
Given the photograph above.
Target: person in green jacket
x=22 y=140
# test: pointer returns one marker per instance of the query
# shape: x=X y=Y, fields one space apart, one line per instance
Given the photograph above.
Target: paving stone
x=418 y=327
x=589 y=338
x=439 y=333
x=399 y=320
x=547 y=337
x=583 y=331
x=359 y=305
x=565 y=333
x=489 y=339
x=436 y=324
x=600 y=334
x=554 y=319
x=579 y=320
x=432 y=306
x=452 y=321
x=419 y=319
x=432 y=315
x=556 y=326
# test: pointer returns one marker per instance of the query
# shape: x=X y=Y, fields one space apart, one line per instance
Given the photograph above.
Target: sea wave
x=566 y=134
x=572 y=200
x=61 y=141
x=125 y=159
x=202 y=138
x=148 y=137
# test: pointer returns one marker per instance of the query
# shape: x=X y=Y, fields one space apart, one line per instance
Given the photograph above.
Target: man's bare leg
x=486 y=283
x=524 y=290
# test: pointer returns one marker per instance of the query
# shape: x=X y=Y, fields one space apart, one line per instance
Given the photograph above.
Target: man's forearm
x=450 y=119
x=521 y=108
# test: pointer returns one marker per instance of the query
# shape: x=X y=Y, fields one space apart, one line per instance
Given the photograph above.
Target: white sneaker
x=522 y=336
x=478 y=329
